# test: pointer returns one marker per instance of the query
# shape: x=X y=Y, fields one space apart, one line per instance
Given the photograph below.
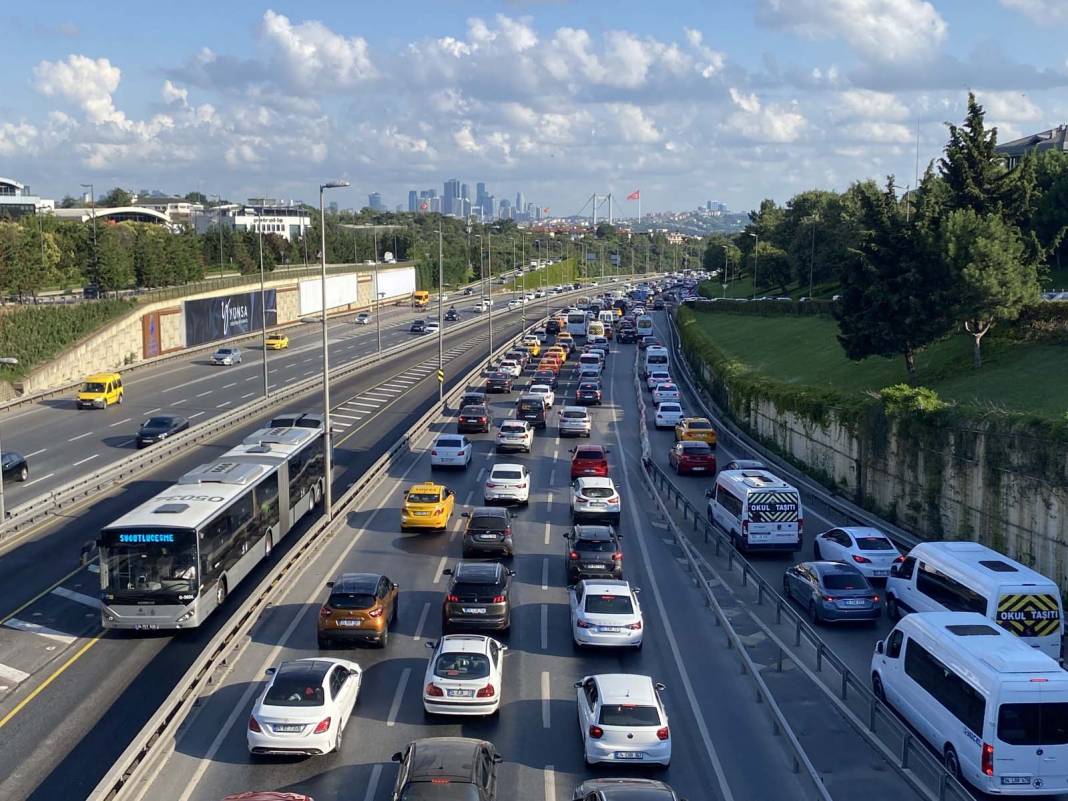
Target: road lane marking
x=550 y=783
x=195 y=415
x=398 y=696
x=544 y=627
x=77 y=597
x=372 y=783
x=438 y=573
x=545 y=573
x=12 y=675
x=42 y=478
x=549 y=500
x=247 y=395
x=152 y=411
x=365 y=405
x=86 y=459
x=36 y=453
x=126 y=442
x=36 y=628
x=80 y=436
x=202 y=394
x=546 y=696
x=552 y=477
x=252 y=377
x=180 y=400
x=422 y=622
x=345 y=416
x=43 y=685
x=231 y=384
x=481 y=475
x=223 y=404
x=546 y=532
x=120 y=422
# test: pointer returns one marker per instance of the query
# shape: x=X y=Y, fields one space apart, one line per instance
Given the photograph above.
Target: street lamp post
x=92 y=204
x=756 y=247
x=812 y=258
x=441 y=315
x=263 y=311
x=328 y=449
x=218 y=214
x=3 y=510
x=489 y=273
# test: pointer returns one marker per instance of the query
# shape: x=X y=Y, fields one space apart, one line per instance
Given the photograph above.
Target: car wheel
x=785 y=588
x=877 y=687
x=892 y=610
x=24 y=473
x=816 y=551
x=121 y=396
x=814 y=613
x=951 y=762
x=338 y=740
x=383 y=641
x=267 y=546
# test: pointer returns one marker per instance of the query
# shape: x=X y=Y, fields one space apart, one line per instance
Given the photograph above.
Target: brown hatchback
x=362 y=607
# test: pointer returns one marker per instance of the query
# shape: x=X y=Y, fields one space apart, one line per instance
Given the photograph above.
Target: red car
x=692 y=456
x=589 y=460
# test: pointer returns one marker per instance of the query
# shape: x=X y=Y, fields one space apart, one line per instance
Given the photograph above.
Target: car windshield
x=874 y=544
x=157 y=422
x=223 y=352
x=844 y=581
x=351 y=600
x=92 y=386
x=595 y=546
x=609 y=605
x=294 y=691
x=506 y=475
x=629 y=715
x=450 y=442
x=423 y=497
x=462 y=666
x=598 y=492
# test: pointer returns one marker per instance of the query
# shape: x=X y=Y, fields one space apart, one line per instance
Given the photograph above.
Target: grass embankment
x=559 y=273
x=37 y=334
x=1016 y=376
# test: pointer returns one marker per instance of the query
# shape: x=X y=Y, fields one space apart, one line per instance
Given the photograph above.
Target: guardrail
x=914 y=759
x=154 y=738
x=801 y=763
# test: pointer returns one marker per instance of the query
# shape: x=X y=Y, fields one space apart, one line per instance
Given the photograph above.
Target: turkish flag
x=424 y=207
x=634 y=195
x=545 y=210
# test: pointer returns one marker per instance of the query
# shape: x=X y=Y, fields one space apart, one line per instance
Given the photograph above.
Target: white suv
x=622 y=719
x=575 y=422
x=515 y=435
x=507 y=482
x=594 y=498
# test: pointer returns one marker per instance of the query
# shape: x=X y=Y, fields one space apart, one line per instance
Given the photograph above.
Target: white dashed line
x=247 y=395
x=221 y=405
x=80 y=436
x=231 y=384
x=545 y=573
x=345 y=416
x=120 y=422
x=86 y=459
x=202 y=394
x=546 y=696
x=438 y=572
x=544 y=627
x=42 y=478
x=195 y=415
x=398 y=697
x=36 y=453
x=422 y=622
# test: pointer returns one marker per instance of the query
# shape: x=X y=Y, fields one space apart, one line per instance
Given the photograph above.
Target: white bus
x=994 y=709
x=757 y=509
x=576 y=323
x=969 y=577
x=168 y=563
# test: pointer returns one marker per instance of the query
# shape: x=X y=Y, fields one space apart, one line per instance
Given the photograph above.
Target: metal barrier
x=914 y=759
x=139 y=757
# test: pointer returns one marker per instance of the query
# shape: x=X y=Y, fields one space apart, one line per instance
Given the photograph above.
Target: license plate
x=857 y=602
x=629 y=755
x=351 y=623
x=880 y=573
x=593 y=567
x=474 y=610
x=1015 y=780
x=609 y=629
x=420 y=514
x=698 y=469
x=487 y=536
x=460 y=693
x=288 y=727
x=599 y=504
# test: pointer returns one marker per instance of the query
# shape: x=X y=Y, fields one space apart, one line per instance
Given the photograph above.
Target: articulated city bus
x=168 y=563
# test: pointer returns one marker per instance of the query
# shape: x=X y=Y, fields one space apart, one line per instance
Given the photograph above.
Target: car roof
x=607 y=586
x=602 y=533
x=478 y=572
x=443 y=757
x=588 y=449
x=596 y=481
x=356 y=582
x=426 y=486
x=625 y=688
x=490 y=511
x=310 y=670
x=464 y=643
x=862 y=531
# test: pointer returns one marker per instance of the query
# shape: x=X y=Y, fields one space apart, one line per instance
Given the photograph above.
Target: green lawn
x=743 y=288
x=559 y=273
x=1022 y=377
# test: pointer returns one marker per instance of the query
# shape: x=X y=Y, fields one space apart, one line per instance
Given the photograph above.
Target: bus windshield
x=140 y=563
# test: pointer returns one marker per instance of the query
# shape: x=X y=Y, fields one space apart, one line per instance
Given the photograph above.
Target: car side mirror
x=447 y=571
x=465 y=514
x=577 y=684
x=393 y=585
x=430 y=644
x=709 y=493
x=397 y=757
x=329 y=585
x=270 y=671
x=636 y=590
x=660 y=687
x=895 y=570
x=511 y=572
x=879 y=648
x=497 y=759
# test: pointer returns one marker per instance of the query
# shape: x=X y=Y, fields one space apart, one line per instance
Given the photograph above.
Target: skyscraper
x=506 y=209
x=450 y=196
x=520 y=202
x=489 y=208
x=374 y=200
x=413 y=200
x=464 y=193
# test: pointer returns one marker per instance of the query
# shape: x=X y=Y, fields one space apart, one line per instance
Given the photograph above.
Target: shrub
x=904 y=398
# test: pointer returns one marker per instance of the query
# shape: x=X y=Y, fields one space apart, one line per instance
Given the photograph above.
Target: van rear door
x=1033 y=613
x=1031 y=746
x=773 y=517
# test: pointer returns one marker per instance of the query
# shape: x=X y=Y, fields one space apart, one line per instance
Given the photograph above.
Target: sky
x=686 y=101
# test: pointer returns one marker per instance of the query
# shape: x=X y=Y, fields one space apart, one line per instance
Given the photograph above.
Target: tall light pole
x=441 y=314
x=756 y=247
x=812 y=259
x=92 y=204
x=489 y=272
x=3 y=510
x=328 y=449
x=378 y=294
x=263 y=310
x=218 y=213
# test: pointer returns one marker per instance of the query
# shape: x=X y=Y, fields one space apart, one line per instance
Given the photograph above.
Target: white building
x=16 y=200
x=288 y=220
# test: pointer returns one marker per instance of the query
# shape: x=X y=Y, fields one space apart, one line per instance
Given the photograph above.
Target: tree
x=196 y=197
x=115 y=198
x=991 y=268
x=773 y=268
x=895 y=294
x=68 y=202
x=1050 y=220
x=114 y=265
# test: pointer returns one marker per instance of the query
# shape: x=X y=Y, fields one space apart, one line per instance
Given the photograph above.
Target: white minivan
x=969 y=577
x=757 y=509
x=995 y=710
x=656 y=358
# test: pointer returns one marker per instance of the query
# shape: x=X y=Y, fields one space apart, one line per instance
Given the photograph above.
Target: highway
x=723 y=747
x=70 y=698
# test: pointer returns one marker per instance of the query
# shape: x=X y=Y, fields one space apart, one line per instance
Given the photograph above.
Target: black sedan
x=451 y=316
x=15 y=466
x=545 y=377
x=159 y=428
x=624 y=790
x=588 y=394
x=418 y=327
x=468 y=290
x=499 y=382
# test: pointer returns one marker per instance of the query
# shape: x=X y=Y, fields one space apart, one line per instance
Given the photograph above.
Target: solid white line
x=398 y=696
x=422 y=622
x=42 y=478
x=12 y=675
x=195 y=415
x=372 y=783
x=544 y=627
x=36 y=453
x=77 y=597
x=80 y=436
x=35 y=628
x=546 y=693
x=550 y=783
x=545 y=573
x=86 y=459
x=441 y=566
x=120 y=422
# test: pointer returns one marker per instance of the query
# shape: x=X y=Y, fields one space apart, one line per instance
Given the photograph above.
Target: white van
x=594 y=328
x=969 y=577
x=757 y=509
x=644 y=326
x=591 y=360
x=996 y=710
x=656 y=358
x=576 y=323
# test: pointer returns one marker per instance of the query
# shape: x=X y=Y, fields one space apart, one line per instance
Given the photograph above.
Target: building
x=413 y=201
x=505 y=209
x=520 y=203
x=287 y=219
x=1053 y=139
x=178 y=210
x=489 y=207
x=374 y=200
x=464 y=193
x=16 y=200
x=450 y=196
x=116 y=214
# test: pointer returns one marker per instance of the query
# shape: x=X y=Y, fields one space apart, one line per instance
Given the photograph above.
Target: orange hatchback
x=362 y=607
x=557 y=350
x=550 y=364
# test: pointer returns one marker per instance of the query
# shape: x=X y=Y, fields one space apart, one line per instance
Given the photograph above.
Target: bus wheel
x=268 y=545
x=220 y=593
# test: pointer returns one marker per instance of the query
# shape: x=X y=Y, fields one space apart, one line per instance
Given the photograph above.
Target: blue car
x=832 y=592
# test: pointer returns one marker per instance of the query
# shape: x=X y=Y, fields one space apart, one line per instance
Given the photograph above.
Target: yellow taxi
x=100 y=390
x=427 y=505
x=557 y=350
x=533 y=346
x=695 y=429
x=277 y=342
x=565 y=339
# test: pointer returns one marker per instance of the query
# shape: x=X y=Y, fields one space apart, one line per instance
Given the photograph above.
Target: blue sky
x=733 y=101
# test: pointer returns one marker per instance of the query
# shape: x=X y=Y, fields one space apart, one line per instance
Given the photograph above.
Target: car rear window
x=294 y=691
x=1033 y=724
x=506 y=474
x=351 y=600
x=531 y=405
x=696 y=449
x=595 y=546
x=598 y=492
x=488 y=521
x=699 y=425
x=844 y=581
x=874 y=544
x=629 y=715
x=609 y=605
x=450 y=442
x=462 y=666
x=423 y=497
x=513 y=429
x=576 y=415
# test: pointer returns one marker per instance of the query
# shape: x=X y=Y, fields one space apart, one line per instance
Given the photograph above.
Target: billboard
x=340 y=291
x=394 y=282
x=222 y=316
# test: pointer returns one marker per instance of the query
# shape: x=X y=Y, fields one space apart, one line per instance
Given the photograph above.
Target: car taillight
x=635 y=626
x=522 y=486
x=988 y=759
x=582 y=624
x=861 y=560
x=434 y=690
x=617 y=556
x=662 y=733
x=875 y=598
x=508 y=531
x=490 y=485
x=452 y=599
x=323 y=727
x=375 y=612
x=498 y=599
x=486 y=692
x=254 y=725
x=613 y=499
x=899 y=559
x=596 y=732
x=800 y=526
x=433 y=453
x=745 y=528
x=573 y=555
x=580 y=499
x=482 y=419
x=326 y=611
x=829 y=598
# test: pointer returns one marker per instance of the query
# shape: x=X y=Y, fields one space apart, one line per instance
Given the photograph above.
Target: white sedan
x=666 y=391
x=451 y=450
x=463 y=676
x=509 y=483
x=622 y=720
x=510 y=367
x=595 y=498
x=431 y=327
x=514 y=304
x=546 y=393
x=515 y=435
x=668 y=415
x=304 y=707
x=657 y=377
x=606 y=613
x=867 y=549
x=363 y=318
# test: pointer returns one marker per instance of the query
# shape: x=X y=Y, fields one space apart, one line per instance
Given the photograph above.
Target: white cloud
x=174 y=94
x=760 y=123
x=1008 y=106
x=870 y=105
x=17 y=139
x=87 y=83
x=1042 y=12
x=889 y=31
x=313 y=57
x=634 y=124
x=879 y=132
